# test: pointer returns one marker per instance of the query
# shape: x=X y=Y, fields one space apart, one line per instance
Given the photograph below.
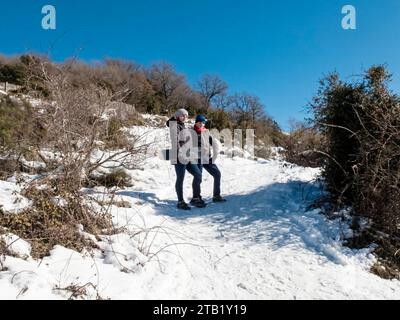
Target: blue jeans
x=213 y=170
x=195 y=171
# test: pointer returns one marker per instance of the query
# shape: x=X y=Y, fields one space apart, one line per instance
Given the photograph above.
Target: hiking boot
x=218 y=199
x=182 y=205
x=198 y=202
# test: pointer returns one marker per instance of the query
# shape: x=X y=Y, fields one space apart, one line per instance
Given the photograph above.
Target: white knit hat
x=181 y=112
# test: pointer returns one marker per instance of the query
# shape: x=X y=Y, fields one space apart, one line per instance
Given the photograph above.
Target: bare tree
x=246 y=109
x=211 y=87
x=169 y=87
x=222 y=101
x=75 y=119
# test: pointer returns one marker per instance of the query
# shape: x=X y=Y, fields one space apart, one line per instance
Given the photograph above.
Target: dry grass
x=117 y=178
x=77 y=292
x=304 y=146
x=48 y=223
x=7 y=168
x=117 y=203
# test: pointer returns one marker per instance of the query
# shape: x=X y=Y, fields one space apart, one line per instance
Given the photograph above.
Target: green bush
x=335 y=110
x=362 y=126
x=19 y=129
x=268 y=131
x=218 y=119
x=14 y=73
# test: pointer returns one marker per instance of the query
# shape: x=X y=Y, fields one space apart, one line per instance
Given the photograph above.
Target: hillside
x=261 y=244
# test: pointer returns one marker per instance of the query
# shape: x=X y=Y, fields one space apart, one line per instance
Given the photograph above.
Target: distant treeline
x=158 y=89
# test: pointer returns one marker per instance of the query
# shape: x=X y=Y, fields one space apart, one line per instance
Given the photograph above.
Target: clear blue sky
x=277 y=50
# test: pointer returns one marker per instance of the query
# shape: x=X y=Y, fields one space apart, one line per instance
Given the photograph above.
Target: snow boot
x=218 y=199
x=182 y=205
x=198 y=202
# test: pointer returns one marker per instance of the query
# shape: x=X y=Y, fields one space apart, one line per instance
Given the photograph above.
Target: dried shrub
x=304 y=146
x=127 y=114
x=7 y=168
x=51 y=222
x=114 y=137
x=116 y=178
x=117 y=203
x=73 y=120
x=78 y=292
x=3 y=249
x=81 y=118
x=262 y=151
x=2 y=244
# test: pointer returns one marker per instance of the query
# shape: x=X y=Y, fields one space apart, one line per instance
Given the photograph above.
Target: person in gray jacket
x=180 y=139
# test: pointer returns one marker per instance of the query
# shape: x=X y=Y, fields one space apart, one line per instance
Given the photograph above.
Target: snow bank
x=10 y=199
x=16 y=246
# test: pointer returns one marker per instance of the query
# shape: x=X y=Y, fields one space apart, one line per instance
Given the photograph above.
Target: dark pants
x=195 y=171
x=214 y=171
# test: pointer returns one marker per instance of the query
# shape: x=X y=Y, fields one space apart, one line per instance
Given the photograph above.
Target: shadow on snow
x=275 y=214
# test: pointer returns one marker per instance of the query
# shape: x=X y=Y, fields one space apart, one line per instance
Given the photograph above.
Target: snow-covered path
x=261 y=244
